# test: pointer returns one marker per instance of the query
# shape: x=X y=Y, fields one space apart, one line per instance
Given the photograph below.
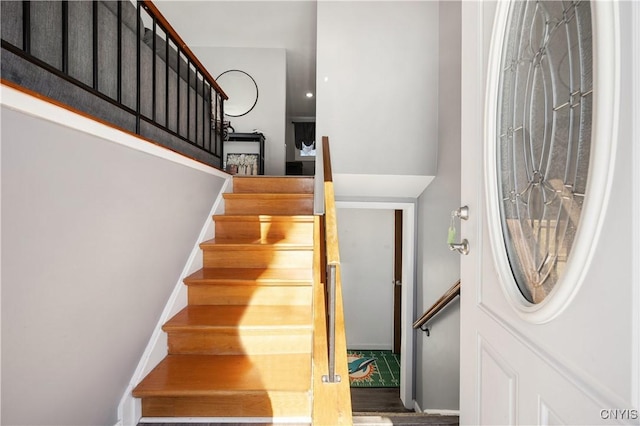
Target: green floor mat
x=373 y=368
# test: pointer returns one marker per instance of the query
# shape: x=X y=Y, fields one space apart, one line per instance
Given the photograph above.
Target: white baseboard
x=251 y=420
x=443 y=412
x=369 y=347
x=417 y=409
x=129 y=409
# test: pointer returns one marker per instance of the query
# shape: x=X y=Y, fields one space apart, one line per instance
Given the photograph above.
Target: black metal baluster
x=219 y=122
x=188 y=99
x=26 y=26
x=178 y=89
x=211 y=145
x=166 y=79
x=196 y=128
x=138 y=54
x=204 y=140
x=119 y=71
x=213 y=128
x=65 y=37
x=95 y=45
x=222 y=130
x=153 y=78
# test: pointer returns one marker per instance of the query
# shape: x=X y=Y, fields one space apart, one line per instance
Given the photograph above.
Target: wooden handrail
x=326 y=156
x=333 y=254
x=154 y=12
x=331 y=399
x=446 y=298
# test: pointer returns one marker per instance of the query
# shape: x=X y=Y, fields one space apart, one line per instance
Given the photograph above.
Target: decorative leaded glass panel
x=543 y=137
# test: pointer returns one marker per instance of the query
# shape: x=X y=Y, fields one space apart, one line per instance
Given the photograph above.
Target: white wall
x=366 y=260
x=268 y=67
x=437 y=358
x=377 y=85
x=94 y=238
x=388 y=97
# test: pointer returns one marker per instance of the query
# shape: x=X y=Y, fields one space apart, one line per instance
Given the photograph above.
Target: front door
x=550 y=301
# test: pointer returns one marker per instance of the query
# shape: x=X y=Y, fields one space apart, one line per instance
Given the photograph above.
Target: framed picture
x=242 y=164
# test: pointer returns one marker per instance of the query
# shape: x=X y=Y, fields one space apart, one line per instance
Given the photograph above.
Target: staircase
x=242 y=346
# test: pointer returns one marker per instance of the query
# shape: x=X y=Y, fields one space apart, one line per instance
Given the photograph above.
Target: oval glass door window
x=543 y=138
x=242 y=91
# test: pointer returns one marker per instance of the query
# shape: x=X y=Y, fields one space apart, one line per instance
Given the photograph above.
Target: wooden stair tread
x=211 y=375
x=253 y=243
x=280 y=226
x=251 y=276
x=203 y=317
x=268 y=203
x=304 y=218
x=267 y=195
x=257 y=184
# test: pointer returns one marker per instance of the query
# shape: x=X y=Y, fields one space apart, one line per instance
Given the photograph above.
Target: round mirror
x=242 y=91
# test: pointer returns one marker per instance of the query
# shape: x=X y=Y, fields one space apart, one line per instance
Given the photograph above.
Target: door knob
x=462 y=247
x=462 y=213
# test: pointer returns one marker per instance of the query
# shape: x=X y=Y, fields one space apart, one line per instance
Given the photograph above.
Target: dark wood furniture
x=257 y=138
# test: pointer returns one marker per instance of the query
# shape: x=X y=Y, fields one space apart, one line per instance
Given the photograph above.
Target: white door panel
x=366 y=237
x=584 y=360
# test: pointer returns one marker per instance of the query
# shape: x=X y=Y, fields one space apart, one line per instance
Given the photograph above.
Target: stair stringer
x=130 y=408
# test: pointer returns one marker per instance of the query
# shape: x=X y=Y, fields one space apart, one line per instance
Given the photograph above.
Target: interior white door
x=574 y=357
x=366 y=255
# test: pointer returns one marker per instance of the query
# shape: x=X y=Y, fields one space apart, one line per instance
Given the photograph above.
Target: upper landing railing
x=120 y=62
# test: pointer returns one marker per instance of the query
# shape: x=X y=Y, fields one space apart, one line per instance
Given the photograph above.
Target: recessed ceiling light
x=309 y=95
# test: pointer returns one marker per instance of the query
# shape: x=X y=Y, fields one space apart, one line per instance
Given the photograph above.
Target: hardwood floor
x=382 y=406
x=376 y=400
x=371 y=406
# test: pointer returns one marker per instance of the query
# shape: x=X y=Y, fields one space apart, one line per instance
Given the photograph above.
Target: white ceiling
x=257 y=24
